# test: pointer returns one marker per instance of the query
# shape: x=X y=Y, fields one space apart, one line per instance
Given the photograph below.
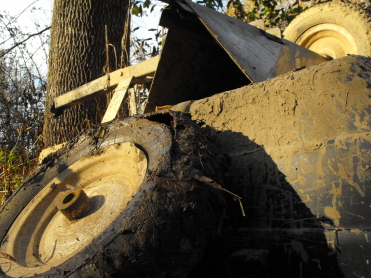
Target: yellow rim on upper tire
x=332 y=29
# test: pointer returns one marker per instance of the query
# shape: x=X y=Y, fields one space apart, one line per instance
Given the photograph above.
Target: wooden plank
x=132 y=102
x=120 y=94
x=106 y=83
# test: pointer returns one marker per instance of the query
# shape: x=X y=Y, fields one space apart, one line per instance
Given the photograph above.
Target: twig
x=125 y=39
x=18 y=15
x=215 y=185
x=4 y=52
x=107 y=67
x=114 y=52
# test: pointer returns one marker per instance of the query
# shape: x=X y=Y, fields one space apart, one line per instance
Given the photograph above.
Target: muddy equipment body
x=276 y=184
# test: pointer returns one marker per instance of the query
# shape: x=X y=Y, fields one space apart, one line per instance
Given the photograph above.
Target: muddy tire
x=332 y=30
x=121 y=200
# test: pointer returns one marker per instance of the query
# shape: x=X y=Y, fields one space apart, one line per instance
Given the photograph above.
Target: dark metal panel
x=198 y=62
x=192 y=65
x=258 y=54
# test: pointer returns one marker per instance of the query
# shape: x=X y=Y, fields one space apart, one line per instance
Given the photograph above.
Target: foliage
x=15 y=165
x=22 y=95
x=21 y=103
x=274 y=13
x=22 y=84
x=143 y=49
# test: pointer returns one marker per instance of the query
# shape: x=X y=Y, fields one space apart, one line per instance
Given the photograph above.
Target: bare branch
x=4 y=52
x=18 y=15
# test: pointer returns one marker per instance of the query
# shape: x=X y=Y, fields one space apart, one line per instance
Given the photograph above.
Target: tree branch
x=4 y=52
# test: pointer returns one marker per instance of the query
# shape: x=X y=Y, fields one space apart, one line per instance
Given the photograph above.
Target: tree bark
x=77 y=56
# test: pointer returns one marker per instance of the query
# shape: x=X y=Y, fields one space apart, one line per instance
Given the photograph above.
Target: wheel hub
x=75 y=205
x=328 y=40
x=72 y=210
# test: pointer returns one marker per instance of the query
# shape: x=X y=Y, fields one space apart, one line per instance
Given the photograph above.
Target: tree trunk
x=78 y=55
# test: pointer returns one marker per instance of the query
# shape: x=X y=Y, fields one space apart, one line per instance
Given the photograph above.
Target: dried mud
x=299 y=148
x=306 y=105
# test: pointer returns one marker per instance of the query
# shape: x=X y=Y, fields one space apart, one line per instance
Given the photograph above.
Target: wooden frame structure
x=121 y=80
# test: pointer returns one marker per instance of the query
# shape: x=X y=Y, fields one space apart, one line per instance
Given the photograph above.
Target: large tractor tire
x=332 y=30
x=122 y=200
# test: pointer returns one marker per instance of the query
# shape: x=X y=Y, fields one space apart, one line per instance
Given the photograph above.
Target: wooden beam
x=120 y=94
x=132 y=102
x=104 y=84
